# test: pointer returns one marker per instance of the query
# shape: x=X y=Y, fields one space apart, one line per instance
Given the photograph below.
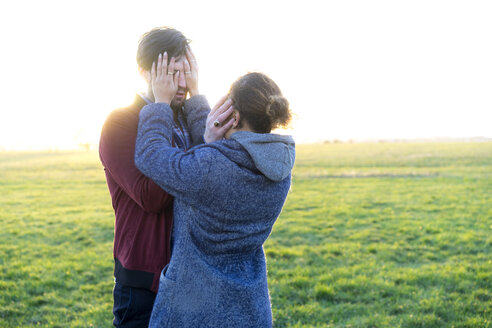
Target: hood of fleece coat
x=273 y=154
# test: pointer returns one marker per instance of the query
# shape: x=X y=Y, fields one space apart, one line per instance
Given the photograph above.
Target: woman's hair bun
x=278 y=111
x=260 y=103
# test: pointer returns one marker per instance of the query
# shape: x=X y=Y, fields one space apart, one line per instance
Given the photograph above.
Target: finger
x=176 y=78
x=223 y=117
x=152 y=72
x=226 y=126
x=170 y=69
x=191 y=58
x=159 y=65
x=164 y=64
x=190 y=54
x=187 y=68
x=216 y=116
x=219 y=103
x=225 y=106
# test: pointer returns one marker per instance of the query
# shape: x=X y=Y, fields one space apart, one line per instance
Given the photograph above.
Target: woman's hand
x=191 y=72
x=164 y=81
x=219 y=120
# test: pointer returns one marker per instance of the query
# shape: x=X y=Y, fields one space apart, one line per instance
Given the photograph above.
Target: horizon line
x=88 y=146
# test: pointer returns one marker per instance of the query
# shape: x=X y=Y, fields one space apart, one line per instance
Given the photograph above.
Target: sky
x=362 y=70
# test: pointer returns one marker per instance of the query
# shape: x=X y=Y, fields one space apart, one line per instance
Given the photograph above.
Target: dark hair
x=157 y=41
x=259 y=101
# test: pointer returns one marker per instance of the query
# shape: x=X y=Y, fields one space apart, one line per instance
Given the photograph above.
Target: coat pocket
x=162 y=311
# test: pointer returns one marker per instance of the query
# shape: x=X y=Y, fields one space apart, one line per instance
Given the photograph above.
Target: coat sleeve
x=116 y=150
x=180 y=173
x=196 y=110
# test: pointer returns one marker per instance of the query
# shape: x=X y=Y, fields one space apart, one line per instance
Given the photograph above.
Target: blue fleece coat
x=228 y=195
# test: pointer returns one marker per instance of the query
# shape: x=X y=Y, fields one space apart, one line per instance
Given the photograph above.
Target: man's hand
x=219 y=120
x=191 y=72
x=164 y=80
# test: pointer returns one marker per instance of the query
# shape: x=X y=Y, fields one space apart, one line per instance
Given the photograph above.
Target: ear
x=145 y=74
x=236 y=118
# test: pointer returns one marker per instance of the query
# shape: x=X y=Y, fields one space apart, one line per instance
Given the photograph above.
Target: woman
x=228 y=194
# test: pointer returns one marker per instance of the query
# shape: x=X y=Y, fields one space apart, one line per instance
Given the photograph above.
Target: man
x=143 y=211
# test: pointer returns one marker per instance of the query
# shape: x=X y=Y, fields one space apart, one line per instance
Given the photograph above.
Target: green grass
x=372 y=235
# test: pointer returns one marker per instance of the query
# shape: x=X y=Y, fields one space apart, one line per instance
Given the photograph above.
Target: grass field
x=372 y=235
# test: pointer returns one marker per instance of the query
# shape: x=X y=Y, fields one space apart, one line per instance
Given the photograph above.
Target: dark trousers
x=132 y=306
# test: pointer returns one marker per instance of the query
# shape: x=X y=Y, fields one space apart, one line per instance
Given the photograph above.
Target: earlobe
x=235 y=116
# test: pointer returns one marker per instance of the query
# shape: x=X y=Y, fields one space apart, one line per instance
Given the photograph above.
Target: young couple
x=195 y=193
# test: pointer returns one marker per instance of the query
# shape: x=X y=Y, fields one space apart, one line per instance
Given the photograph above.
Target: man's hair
x=157 y=41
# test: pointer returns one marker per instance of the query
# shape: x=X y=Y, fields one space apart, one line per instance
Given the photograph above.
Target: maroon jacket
x=143 y=210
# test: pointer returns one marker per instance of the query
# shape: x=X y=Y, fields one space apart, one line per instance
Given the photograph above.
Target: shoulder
x=120 y=127
x=220 y=158
x=123 y=117
x=120 y=116
x=218 y=150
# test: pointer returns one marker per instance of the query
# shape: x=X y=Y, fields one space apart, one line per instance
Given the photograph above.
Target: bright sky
x=350 y=69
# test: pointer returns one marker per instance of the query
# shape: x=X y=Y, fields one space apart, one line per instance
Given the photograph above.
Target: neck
x=245 y=127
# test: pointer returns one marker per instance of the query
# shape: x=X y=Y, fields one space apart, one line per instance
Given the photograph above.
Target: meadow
x=371 y=235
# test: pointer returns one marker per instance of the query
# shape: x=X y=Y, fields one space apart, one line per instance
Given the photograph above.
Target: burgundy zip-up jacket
x=143 y=211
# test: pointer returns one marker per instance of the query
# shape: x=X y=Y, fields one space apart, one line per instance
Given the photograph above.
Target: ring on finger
x=216 y=123
x=170 y=73
x=187 y=72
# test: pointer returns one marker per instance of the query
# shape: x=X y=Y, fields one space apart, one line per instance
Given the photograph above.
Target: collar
x=147 y=100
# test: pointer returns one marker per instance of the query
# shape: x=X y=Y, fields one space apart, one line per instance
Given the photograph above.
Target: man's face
x=180 y=97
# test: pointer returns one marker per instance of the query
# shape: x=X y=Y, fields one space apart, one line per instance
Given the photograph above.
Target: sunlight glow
x=351 y=70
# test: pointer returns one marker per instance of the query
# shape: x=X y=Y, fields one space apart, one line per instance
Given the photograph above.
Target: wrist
x=207 y=138
x=194 y=92
x=162 y=100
